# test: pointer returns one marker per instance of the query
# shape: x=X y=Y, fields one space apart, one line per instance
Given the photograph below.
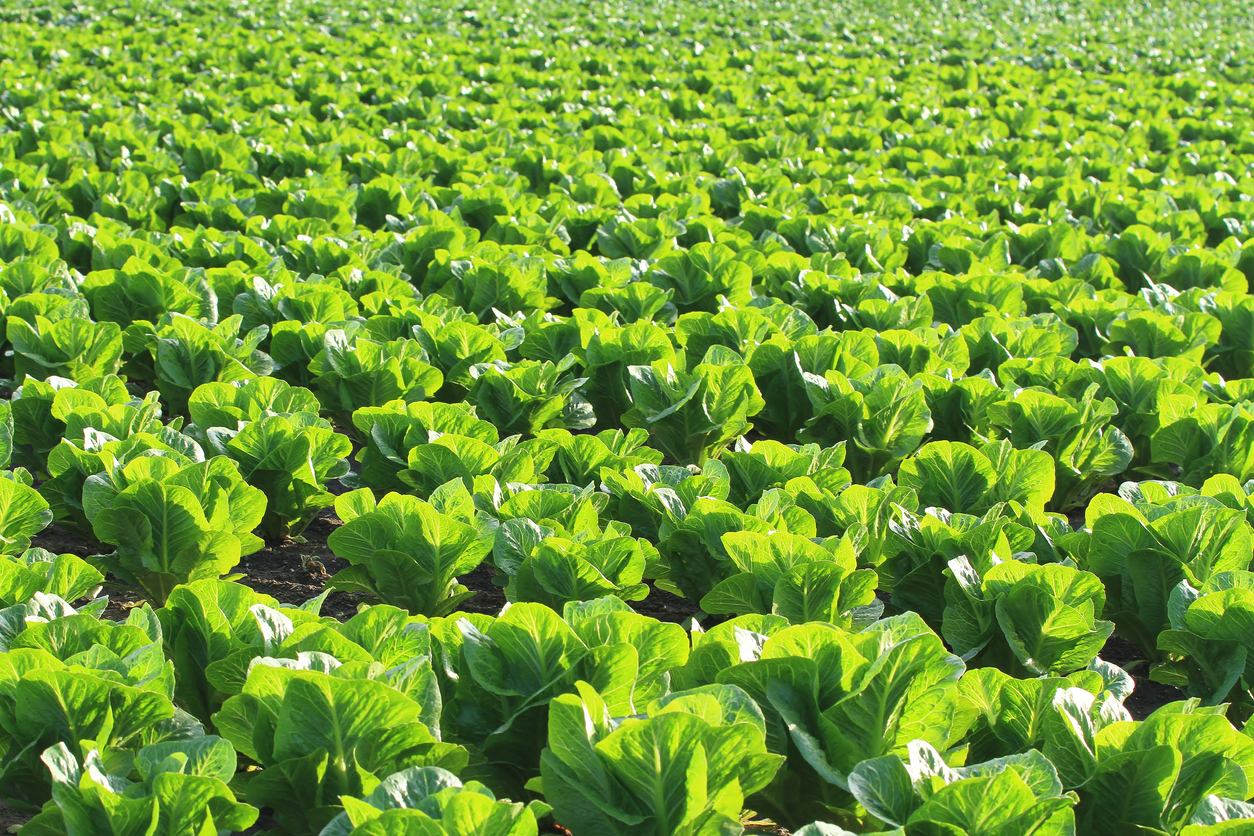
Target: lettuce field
x=623 y=418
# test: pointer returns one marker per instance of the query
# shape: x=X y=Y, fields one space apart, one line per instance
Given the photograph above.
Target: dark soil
x=1149 y=695
x=296 y=570
x=489 y=598
x=60 y=541
x=265 y=824
x=10 y=819
x=666 y=607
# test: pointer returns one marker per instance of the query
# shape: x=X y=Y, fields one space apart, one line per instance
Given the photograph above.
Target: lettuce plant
x=1166 y=773
x=390 y=432
x=181 y=788
x=684 y=767
x=631 y=303
x=741 y=330
x=572 y=277
x=408 y=552
x=99 y=429
x=626 y=236
x=1087 y=450
x=919 y=547
x=922 y=351
x=173 y=523
x=1204 y=440
x=36 y=429
x=701 y=276
x=70 y=678
x=455 y=346
x=839 y=508
x=567 y=509
x=510 y=668
x=550 y=338
x=90 y=420
x=204 y=623
x=1155 y=334
x=886 y=313
x=554 y=568
x=419 y=447
x=1024 y=618
x=692 y=416
x=964 y=480
x=1208 y=645
x=1223 y=487
x=431 y=800
x=1057 y=715
x=294 y=345
x=476 y=464
x=70 y=466
x=610 y=355
x=320 y=736
x=185 y=354
x=530 y=396
x=1142 y=551
x=958 y=299
x=67 y=576
x=578 y=458
x=290 y=458
x=75 y=348
x=355 y=372
x=274 y=435
x=766 y=465
x=54 y=304
x=923 y=794
x=230 y=404
x=215 y=630
x=898 y=683
x=691 y=539
x=993 y=340
x=781 y=368
x=960 y=406
x=1234 y=353
x=648 y=496
x=491 y=278
x=883 y=415
x=1138 y=386
x=794 y=577
x=23 y=513
x=135 y=290
x=269 y=304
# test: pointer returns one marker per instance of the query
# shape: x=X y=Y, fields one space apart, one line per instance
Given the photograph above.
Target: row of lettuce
x=1103 y=380
x=484 y=330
